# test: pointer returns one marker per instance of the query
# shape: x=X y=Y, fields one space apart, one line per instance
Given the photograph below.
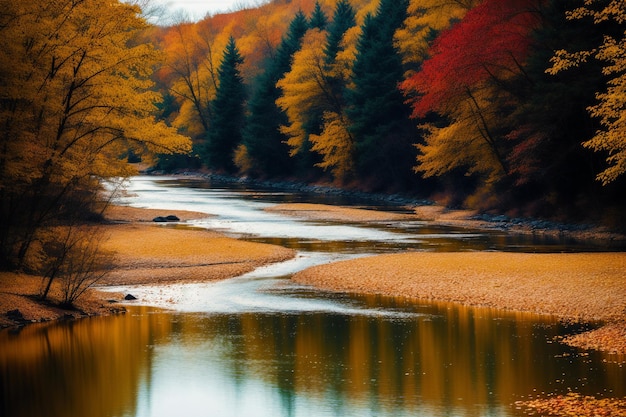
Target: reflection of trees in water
x=90 y=367
x=445 y=357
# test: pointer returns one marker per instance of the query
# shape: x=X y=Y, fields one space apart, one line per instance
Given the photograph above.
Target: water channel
x=259 y=345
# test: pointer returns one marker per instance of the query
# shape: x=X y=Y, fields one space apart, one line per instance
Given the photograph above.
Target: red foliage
x=492 y=41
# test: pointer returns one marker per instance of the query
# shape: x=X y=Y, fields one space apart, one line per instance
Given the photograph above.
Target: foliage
x=466 y=81
x=76 y=96
x=425 y=20
x=304 y=88
x=312 y=96
x=376 y=108
x=611 y=106
x=266 y=148
x=336 y=145
x=228 y=112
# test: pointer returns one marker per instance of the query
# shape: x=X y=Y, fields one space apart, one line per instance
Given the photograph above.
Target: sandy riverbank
x=144 y=252
x=581 y=287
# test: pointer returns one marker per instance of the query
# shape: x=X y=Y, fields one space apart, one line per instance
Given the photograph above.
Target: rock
x=16 y=315
x=164 y=219
x=130 y=297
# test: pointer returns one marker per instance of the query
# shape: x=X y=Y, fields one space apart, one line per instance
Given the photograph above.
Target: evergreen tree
x=265 y=144
x=228 y=112
x=381 y=127
x=343 y=19
x=318 y=18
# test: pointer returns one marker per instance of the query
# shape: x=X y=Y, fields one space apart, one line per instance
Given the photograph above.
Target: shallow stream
x=259 y=345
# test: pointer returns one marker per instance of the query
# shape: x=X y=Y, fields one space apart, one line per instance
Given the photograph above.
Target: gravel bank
x=579 y=287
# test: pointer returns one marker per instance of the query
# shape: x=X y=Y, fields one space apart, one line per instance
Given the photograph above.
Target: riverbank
x=144 y=252
x=583 y=287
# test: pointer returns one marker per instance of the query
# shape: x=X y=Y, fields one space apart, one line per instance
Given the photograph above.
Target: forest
x=511 y=106
x=516 y=106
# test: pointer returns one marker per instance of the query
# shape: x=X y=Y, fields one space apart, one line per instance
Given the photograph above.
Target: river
x=259 y=345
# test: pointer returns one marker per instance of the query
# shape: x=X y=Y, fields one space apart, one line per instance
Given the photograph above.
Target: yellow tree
x=312 y=93
x=425 y=19
x=191 y=67
x=305 y=89
x=468 y=141
x=76 y=97
x=336 y=146
x=611 y=107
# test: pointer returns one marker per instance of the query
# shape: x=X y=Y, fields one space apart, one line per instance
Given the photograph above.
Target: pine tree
x=264 y=142
x=318 y=18
x=344 y=18
x=381 y=127
x=228 y=112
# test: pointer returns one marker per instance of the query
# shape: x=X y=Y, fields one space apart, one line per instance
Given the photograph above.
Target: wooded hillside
x=514 y=105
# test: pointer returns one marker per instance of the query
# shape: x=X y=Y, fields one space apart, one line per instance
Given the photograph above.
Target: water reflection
x=239 y=211
x=444 y=360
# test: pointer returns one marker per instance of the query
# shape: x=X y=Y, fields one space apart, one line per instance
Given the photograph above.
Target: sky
x=197 y=9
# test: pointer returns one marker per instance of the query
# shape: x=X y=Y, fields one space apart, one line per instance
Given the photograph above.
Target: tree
x=313 y=97
x=191 y=74
x=344 y=18
x=318 y=18
x=611 y=106
x=228 y=112
x=466 y=82
x=265 y=146
x=76 y=97
x=425 y=20
x=379 y=117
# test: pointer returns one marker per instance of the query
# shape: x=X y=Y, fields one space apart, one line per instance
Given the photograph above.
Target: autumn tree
x=191 y=73
x=76 y=97
x=465 y=82
x=379 y=117
x=228 y=112
x=425 y=20
x=611 y=106
x=313 y=97
x=264 y=146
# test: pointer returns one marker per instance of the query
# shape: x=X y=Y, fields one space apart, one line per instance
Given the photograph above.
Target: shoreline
x=145 y=253
x=431 y=211
x=577 y=287
x=161 y=254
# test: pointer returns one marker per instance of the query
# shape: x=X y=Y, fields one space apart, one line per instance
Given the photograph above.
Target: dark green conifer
x=380 y=120
x=343 y=19
x=264 y=142
x=228 y=112
x=318 y=18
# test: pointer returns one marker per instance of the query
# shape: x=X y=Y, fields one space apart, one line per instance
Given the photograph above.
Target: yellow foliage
x=242 y=159
x=304 y=87
x=465 y=142
x=611 y=107
x=424 y=18
x=77 y=94
x=335 y=145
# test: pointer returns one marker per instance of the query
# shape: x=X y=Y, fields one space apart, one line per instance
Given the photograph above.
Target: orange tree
x=75 y=98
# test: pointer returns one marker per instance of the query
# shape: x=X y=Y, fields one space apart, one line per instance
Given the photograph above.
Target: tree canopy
x=76 y=98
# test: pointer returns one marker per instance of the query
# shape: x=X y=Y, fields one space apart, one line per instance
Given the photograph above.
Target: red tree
x=490 y=43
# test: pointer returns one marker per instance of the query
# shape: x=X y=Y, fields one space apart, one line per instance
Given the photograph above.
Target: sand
x=577 y=287
x=144 y=252
x=582 y=287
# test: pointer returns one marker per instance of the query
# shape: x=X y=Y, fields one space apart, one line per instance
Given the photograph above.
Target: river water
x=259 y=345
